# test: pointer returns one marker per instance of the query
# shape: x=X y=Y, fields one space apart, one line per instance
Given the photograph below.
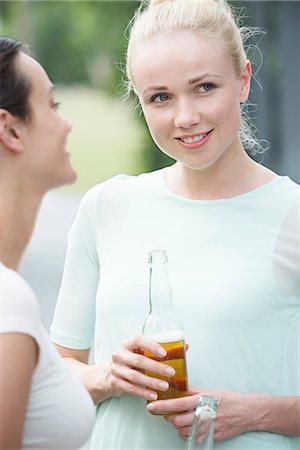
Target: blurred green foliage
x=72 y=38
x=106 y=138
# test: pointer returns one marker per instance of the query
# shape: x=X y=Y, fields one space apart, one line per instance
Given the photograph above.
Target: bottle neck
x=162 y=318
x=160 y=292
x=204 y=419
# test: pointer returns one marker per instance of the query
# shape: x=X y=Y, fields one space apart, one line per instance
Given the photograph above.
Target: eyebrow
x=155 y=88
x=190 y=82
x=201 y=77
x=51 y=89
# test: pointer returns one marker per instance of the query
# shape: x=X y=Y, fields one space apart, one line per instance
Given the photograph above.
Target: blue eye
x=160 y=98
x=205 y=87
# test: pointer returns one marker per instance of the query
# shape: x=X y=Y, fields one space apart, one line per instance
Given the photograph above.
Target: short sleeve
x=73 y=323
x=20 y=310
x=74 y=317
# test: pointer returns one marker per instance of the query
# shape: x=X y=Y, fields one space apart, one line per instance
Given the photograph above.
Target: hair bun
x=152 y=3
x=158 y=1
x=165 y=1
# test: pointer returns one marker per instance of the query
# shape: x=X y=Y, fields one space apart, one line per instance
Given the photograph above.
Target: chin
x=66 y=179
x=196 y=166
x=72 y=177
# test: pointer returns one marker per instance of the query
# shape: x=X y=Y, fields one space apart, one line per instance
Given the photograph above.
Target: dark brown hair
x=14 y=86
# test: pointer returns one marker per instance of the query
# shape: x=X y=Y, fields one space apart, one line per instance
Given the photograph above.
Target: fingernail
x=163 y=385
x=152 y=396
x=150 y=406
x=170 y=371
x=161 y=352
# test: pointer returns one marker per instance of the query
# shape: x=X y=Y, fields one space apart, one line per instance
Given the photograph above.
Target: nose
x=68 y=123
x=187 y=114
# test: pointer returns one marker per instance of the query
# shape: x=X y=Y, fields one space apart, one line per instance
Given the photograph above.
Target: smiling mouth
x=194 y=139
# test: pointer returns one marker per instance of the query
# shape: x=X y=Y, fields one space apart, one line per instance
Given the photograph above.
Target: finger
x=181 y=420
x=138 y=361
x=124 y=387
x=138 y=378
x=141 y=344
x=176 y=404
x=184 y=433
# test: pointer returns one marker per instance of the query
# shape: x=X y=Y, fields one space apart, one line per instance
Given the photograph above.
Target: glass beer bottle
x=201 y=436
x=165 y=327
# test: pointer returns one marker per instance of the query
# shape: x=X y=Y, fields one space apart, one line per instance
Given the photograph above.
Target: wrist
x=277 y=414
x=96 y=381
x=258 y=409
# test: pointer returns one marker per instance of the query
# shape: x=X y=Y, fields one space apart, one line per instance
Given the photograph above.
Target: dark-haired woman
x=42 y=404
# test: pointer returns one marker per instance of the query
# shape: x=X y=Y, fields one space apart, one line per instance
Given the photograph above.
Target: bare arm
x=124 y=373
x=18 y=358
x=92 y=377
x=237 y=413
x=278 y=414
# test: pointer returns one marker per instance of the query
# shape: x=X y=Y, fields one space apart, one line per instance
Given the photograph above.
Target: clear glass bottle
x=164 y=325
x=201 y=436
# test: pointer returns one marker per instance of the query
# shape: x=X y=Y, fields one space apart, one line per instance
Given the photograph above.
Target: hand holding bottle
x=129 y=368
x=237 y=413
x=151 y=365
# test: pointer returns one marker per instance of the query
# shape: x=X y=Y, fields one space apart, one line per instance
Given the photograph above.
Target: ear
x=245 y=82
x=10 y=134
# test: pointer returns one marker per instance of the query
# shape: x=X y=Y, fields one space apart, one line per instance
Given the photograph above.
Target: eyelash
x=157 y=96
x=211 y=86
x=56 y=105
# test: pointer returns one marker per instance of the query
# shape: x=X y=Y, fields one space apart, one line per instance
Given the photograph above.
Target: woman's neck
x=241 y=175
x=18 y=212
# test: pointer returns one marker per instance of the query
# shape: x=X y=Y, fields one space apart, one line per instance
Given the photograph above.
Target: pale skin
x=31 y=164
x=123 y=374
x=201 y=98
x=15 y=379
x=237 y=413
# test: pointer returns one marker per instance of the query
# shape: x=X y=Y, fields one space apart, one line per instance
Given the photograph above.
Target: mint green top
x=235 y=271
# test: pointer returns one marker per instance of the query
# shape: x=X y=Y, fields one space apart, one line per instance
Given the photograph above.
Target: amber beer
x=173 y=343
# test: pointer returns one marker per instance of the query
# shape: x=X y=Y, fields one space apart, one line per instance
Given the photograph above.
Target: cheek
x=227 y=110
x=157 y=122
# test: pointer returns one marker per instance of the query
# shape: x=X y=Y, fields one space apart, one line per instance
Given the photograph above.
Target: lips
x=195 y=140
x=192 y=139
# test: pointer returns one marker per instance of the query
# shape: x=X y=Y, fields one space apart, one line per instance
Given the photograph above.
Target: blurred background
x=81 y=44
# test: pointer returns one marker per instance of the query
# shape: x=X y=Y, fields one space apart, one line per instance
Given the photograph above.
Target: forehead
x=35 y=73
x=184 y=54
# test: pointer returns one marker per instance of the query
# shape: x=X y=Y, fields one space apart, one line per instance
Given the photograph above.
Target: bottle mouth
x=158 y=257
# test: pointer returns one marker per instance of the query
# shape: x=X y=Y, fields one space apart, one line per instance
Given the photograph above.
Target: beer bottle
x=164 y=326
x=201 y=436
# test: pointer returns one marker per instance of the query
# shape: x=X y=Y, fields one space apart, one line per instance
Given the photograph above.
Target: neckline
x=264 y=187
x=5 y=267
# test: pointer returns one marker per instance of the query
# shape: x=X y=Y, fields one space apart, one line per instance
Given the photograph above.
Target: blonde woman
x=42 y=406
x=231 y=229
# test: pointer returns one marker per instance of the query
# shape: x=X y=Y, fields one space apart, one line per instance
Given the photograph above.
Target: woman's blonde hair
x=211 y=17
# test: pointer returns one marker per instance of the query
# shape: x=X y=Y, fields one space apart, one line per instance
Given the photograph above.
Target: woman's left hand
x=233 y=414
